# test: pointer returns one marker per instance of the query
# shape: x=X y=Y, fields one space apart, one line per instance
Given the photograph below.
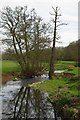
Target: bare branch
x=61 y=24
x=59 y=15
x=51 y=13
x=54 y=9
x=58 y=42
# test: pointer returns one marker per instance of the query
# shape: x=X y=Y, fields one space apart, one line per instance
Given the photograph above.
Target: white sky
x=69 y=11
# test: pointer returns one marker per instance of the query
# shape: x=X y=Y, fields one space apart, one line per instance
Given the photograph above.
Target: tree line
x=69 y=53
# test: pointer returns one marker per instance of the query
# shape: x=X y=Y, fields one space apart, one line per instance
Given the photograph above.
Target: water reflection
x=34 y=80
x=31 y=103
x=28 y=103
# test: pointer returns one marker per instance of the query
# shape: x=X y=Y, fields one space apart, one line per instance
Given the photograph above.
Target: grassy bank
x=64 y=95
x=9 y=70
x=64 y=92
x=59 y=86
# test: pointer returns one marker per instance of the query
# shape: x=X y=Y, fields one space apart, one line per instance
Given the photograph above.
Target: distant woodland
x=71 y=52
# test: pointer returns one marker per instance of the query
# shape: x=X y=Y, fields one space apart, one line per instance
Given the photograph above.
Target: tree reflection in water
x=30 y=103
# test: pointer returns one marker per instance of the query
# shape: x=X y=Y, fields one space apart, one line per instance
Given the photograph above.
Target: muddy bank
x=5 y=78
x=12 y=76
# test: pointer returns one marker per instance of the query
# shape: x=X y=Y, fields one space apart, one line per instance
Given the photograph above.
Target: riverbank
x=12 y=68
x=64 y=94
x=6 y=78
x=63 y=90
x=9 y=70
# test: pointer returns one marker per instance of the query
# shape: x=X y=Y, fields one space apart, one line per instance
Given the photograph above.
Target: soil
x=5 y=78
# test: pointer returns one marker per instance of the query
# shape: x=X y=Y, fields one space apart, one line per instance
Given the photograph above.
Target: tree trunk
x=51 y=71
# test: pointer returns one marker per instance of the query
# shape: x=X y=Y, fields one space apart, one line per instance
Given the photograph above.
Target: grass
x=57 y=88
x=63 y=91
x=9 y=66
x=0 y=66
x=75 y=70
x=67 y=65
x=61 y=86
x=50 y=85
x=13 y=66
x=62 y=65
x=67 y=62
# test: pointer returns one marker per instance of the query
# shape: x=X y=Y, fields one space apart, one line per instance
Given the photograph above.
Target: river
x=37 y=105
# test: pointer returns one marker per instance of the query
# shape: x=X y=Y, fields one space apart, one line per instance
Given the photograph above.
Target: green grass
x=50 y=85
x=59 y=86
x=62 y=65
x=9 y=66
x=75 y=70
x=0 y=66
x=67 y=62
x=13 y=66
x=64 y=86
x=63 y=91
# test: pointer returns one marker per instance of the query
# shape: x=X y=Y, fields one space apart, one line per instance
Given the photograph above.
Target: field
x=9 y=67
x=12 y=66
x=9 y=70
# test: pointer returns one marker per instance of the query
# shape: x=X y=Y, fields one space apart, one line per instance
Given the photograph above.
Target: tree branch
x=61 y=24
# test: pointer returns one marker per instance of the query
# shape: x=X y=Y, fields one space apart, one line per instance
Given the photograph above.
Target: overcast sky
x=68 y=9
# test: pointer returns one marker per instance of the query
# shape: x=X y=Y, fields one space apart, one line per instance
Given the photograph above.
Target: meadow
x=9 y=66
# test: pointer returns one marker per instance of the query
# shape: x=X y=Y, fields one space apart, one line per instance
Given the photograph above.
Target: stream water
x=35 y=101
x=28 y=103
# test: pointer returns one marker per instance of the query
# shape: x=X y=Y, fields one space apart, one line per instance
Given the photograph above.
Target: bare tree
x=41 y=40
x=26 y=33
x=56 y=23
